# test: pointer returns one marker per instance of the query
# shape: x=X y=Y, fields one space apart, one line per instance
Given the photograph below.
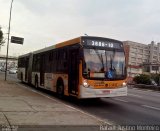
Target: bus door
x=42 y=69
x=73 y=71
x=30 y=68
x=26 y=68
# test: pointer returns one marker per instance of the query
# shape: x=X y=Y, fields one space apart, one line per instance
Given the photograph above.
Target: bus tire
x=60 y=88
x=36 y=81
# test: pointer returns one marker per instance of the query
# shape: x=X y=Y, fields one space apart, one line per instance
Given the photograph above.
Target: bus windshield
x=104 y=64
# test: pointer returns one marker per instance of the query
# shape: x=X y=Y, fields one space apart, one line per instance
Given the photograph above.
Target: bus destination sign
x=99 y=43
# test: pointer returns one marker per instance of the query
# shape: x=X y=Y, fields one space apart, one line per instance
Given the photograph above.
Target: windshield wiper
x=111 y=62
x=100 y=58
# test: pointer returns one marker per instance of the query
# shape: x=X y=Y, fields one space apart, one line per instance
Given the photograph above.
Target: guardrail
x=143 y=86
x=9 y=57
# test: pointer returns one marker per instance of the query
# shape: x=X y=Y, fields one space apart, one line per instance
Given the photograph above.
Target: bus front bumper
x=98 y=93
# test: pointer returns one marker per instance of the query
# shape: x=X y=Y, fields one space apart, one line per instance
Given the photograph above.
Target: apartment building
x=142 y=58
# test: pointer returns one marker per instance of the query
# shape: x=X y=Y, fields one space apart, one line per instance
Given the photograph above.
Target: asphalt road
x=140 y=107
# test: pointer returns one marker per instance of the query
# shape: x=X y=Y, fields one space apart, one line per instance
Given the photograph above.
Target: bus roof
x=59 y=45
x=62 y=44
x=25 y=55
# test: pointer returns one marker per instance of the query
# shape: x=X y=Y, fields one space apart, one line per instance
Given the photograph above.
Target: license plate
x=106 y=91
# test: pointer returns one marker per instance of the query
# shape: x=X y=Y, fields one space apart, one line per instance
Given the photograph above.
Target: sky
x=43 y=23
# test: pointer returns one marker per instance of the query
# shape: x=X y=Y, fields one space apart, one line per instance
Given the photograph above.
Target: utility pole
x=10 y=16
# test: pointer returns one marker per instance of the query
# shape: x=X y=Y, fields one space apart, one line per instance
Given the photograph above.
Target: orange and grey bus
x=84 y=67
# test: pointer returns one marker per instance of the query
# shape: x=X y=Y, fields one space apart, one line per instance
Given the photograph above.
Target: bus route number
x=103 y=44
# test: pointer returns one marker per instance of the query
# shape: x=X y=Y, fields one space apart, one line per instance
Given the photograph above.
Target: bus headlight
x=85 y=84
x=124 y=84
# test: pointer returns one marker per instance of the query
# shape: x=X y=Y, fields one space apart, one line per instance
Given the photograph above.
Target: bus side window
x=65 y=61
x=54 y=62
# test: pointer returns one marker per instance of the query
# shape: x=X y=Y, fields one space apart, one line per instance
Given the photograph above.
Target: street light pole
x=10 y=16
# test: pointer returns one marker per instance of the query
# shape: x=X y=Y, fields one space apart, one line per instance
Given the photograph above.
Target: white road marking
x=151 y=107
x=145 y=90
x=134 y=95
x=34 y=91
x=120 y=100
x=148 y=92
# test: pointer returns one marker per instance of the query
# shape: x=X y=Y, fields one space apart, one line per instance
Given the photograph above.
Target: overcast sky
x=46 y=22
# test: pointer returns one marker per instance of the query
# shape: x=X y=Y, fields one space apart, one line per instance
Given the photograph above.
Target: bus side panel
x=65 y=82
x=48 y=81
x=51 y=81
x=80 y=79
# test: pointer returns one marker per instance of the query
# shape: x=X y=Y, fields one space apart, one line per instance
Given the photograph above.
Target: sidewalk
x=20 y=106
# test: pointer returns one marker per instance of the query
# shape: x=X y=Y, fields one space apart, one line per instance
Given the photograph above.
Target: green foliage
x=147 y=79
x=1 y=36
x=142 y=79
x=155 y=77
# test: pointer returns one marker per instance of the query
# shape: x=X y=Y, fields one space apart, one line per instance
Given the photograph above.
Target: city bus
x=83 y=67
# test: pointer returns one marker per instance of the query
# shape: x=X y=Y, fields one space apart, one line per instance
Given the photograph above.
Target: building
x=142 y=58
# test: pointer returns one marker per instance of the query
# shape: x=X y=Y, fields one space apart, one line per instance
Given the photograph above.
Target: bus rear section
x=25 y=68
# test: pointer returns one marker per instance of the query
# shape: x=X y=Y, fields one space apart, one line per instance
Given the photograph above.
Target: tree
x=142 y=79
x=1 y=38
x=156 y=78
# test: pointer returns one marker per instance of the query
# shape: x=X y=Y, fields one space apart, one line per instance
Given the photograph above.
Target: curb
x=60 y=101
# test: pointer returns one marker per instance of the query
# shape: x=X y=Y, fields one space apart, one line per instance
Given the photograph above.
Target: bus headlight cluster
x=124 y=84
x=85 y=84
